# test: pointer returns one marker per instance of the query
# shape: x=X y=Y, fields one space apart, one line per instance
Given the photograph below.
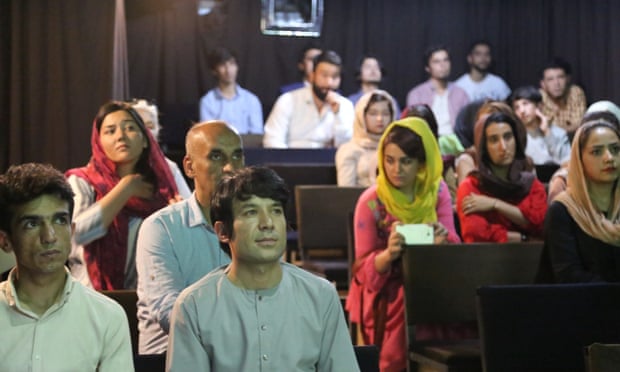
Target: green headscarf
x=426 y=187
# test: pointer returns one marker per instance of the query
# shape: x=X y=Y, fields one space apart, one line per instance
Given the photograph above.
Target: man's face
x=259 y=231
x=525 y=110
x=554 y=82
x=213 y=151
x=370 y=71
x=226 y=73
x=480 y=58
x=308 y=63
x=41 y=235
x=439 y=65
x=326 y=77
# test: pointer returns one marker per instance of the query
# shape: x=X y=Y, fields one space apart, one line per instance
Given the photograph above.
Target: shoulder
x=168 y=214
x=247 y=93
x=304 y=279
x=368 y=194
x=100 y=304
x=464 y=79
x=575 y=90
x=204 y=287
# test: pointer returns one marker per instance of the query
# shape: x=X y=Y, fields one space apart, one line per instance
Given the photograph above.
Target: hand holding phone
x=416 y=233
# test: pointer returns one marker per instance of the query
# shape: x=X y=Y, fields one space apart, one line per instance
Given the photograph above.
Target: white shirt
x=492 y=86
x=442 y=114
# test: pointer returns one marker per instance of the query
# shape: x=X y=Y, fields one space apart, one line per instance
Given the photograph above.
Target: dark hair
x=241 y=185
x=527 y=92
x=423 y=111
x=428 y=53
x=360 y=62
x=328 y=56
x=586 y=130
x=500 y=117
x=408 y=141
x=376 y=97
x=307 y=47
x=475 y=43
x=23 y=183
x=219 y=55
x=556 y=62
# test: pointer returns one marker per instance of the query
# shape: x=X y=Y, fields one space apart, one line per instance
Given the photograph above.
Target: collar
x=195 y=216
x=13 y=301
x=219 y=95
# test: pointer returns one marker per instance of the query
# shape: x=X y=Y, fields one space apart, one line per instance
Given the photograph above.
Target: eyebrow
x=38 y=217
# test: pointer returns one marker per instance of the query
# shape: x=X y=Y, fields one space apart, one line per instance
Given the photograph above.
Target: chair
x=440 y=283
x=252 y=141
x=128 y=299
x=545 y=327
x=149 y=363
x=263 y=156
x=367 y=358
x=322 y=213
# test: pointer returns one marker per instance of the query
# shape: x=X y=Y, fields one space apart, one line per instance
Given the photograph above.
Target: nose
x=265 y=220
x=228 y=166
x=48 y=234
x=502 y=144
x=608 y=156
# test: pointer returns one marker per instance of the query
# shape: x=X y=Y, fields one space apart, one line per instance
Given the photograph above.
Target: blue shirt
x=244 y=111
x=176 y=247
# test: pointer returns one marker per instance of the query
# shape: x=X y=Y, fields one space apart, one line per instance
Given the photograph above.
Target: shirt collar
x=13 y=301
x=196 y=218
x=218 y=92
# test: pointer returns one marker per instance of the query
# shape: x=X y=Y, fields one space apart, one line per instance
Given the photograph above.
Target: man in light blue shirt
x=229 y=102
x=177 y=245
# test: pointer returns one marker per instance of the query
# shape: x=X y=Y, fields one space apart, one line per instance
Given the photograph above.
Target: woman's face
x=377 y=117
x=400 y=169
x=121 y=138
x=501 y=145
x=600 y=156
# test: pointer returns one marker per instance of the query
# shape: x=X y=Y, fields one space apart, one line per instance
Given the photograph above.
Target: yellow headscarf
x=423 y=207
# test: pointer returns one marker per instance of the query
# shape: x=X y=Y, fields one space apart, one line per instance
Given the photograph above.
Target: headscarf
x=423 y=207
x=602 y=106
x=577 y=200
x=520 y=175
x=105 y=257
x=361 y=136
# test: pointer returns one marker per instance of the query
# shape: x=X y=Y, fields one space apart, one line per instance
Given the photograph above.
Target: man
x=563 y=103
x=177 y=245
x=259 y=313
x=444 y=98
x=305 y=66
x=228 y=101
x=48 y=320
x=479 y=83
x=369 y=74
x=315 y=116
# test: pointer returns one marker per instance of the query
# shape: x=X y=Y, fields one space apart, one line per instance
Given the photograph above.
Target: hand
x=395 y=243
x=177 y=198
x=440 y=232
x=332 y=101
x=473 y=203
x=136 y=186
x=544 y=122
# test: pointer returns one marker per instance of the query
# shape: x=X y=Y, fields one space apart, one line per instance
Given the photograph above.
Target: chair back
x=128 y=299
x=367 y=358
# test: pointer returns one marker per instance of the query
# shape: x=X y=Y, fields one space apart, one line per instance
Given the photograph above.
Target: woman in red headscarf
x=126 y=180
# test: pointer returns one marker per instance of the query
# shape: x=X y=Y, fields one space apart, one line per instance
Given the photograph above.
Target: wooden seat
x=128 y=299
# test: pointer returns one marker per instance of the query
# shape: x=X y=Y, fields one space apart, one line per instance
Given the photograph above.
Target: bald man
x=177 y=244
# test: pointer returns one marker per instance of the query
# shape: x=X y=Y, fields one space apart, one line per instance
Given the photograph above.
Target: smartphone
x=418 y=233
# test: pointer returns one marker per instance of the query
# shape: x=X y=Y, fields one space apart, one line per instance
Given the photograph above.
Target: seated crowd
x=213 y=290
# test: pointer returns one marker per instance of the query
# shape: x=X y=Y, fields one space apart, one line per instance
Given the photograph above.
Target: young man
x=259 y=313
x=177 y=245
x=305 y=66
x=315 y=116
x=479 y=83
x=48 y=320
x=228 y=101
x=546 y=143
x=562 y=102
x=369 y=74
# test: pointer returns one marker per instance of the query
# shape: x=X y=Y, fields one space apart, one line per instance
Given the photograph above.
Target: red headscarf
x=105 y=257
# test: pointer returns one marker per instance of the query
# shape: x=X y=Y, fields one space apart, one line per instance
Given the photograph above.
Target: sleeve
x=504 y=89
x=445 y=212
x=256 y=115
x=366 y=238
x=343 y=122
x=158 y=269
x=346 y=165
x=117 y=354
x=336 y=348
x=561 y=242
x=558 y=144
x=185 y=350
x=477 y=227
x=534 y=208
x=87 y=217
x=277 y=125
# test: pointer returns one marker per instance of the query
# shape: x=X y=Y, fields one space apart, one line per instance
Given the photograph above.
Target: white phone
x=418 y=233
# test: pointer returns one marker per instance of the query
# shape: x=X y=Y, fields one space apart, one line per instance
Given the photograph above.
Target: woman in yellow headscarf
x=409 y=190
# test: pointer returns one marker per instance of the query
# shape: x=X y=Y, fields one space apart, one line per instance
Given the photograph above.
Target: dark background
x=60 y=60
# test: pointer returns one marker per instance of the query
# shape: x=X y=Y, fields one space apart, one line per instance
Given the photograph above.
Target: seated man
x=312 y=117
x=479 y=82
x=177 y=245
x=259 y=313
x=305 y=65
x=48 y=320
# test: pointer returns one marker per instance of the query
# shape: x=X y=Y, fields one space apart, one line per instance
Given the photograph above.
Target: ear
x=188 y=167
x=542 y=84
x=469 y=59
x=220 y=231
x=427 y=69
x=5 y=242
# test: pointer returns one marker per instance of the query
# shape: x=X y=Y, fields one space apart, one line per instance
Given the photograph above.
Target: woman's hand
x=177 y=198
x=136 y=186
x=440 y=233
x=474 y=203
x=395 y=243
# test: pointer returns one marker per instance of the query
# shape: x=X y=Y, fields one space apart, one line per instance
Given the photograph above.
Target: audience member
x=564 y=103
x=582 y=234
x=177 y=245
x=228 y=101
x=258 y=313
x=445 y=98
x=465 y=122
x=312 y=117
x=150 y=116
x=409 y=190
x=502 y=201
x=369 y=74
x=546 y=142
x=126 y=180
x=48 y=320
x=356 y=163
x=479 y=83
x=305 y=66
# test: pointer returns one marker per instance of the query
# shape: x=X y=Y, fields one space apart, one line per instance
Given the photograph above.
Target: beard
x=320 y=93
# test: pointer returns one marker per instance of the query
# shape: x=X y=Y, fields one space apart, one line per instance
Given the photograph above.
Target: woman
x=502 y=201
x=356 y=163
x=125 y=180
x=582 y=230
x=409 y=190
